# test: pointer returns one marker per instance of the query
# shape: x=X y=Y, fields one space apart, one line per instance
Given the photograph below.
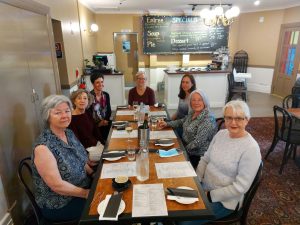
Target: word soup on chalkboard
x=181 y=34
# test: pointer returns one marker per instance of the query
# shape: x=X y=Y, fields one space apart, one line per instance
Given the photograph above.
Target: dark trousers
x=194 y=159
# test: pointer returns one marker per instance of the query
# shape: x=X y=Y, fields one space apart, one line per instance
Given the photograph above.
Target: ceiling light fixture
x=215 y=16
x=257 y=3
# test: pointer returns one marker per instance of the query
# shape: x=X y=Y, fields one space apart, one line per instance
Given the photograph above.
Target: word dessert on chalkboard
x=181 y=34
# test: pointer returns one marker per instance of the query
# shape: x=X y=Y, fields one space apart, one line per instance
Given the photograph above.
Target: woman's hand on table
x=103 y=123
x=162 y=124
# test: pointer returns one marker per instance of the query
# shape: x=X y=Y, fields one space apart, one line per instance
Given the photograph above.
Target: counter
x=113 y=84
x=213 y=83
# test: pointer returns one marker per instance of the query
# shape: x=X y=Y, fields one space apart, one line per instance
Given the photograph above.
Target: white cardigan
x=228 y=168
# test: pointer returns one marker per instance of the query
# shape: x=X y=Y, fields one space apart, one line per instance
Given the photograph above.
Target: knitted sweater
x=228 y=168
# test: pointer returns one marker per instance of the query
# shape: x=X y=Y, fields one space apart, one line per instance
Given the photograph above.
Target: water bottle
x=142 y=164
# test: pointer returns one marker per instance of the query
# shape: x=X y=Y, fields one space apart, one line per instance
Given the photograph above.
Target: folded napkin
x=111 y=207
x=164 y=141
x=122 y=107
x=113 y=154
x=183 y=192
x=168 y=153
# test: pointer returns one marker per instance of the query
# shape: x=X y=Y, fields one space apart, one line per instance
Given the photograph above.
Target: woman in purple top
x=141 y=93
x=82 y=123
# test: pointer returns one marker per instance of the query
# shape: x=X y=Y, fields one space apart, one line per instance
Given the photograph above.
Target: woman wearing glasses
x=141 y=93
x=229 y=166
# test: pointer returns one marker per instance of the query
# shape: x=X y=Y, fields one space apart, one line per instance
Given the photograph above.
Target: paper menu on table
x=125 y=113
x=174 y=170
x=112 y=170
x=158 y=113
x=123 y=134
x=162 y=134
x=149 y=200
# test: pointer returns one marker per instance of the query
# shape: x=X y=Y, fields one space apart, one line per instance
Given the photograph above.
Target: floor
x=261 y=104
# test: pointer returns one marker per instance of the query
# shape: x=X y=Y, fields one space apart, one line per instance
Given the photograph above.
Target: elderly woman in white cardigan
x=230 y=164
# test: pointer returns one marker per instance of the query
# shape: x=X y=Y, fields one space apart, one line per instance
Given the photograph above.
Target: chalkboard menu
x=181 y=34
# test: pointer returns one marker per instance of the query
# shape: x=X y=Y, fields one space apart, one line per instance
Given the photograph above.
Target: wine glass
x=128 y=129
x=135 y=104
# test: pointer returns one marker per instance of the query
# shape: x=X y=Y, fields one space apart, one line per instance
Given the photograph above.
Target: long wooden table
x=176 y=211
x=295 y=112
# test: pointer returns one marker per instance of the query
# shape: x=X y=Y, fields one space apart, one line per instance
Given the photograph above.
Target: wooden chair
x=24 y=170
x=285 y=130
x=235 y=89
x=241 y=214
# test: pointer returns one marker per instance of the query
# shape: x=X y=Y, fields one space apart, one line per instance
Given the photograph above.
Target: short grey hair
x=51 y=102
x=75 y=94
x=140 y=73
x=238 y=105
x=204 y=98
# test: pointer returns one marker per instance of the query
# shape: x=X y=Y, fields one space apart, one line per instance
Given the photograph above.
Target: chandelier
x=215 y=15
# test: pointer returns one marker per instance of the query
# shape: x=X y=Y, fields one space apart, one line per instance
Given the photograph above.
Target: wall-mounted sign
x=181 y=34
x=126 y=46
x=58 y=48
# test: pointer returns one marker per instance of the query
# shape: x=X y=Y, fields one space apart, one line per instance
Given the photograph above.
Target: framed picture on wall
x=126 y=46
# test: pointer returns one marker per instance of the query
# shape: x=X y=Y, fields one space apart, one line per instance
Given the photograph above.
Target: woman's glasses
x=236 y=119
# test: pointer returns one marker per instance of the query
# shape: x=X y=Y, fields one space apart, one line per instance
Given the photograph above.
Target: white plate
x=101 y=208
x=184 y=200
x=165 y=145
x=114 y=158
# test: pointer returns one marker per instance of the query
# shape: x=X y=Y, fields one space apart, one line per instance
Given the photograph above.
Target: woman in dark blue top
x=59 y=164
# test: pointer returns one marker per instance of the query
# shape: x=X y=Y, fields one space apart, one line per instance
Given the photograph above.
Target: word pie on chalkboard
x=181 y=34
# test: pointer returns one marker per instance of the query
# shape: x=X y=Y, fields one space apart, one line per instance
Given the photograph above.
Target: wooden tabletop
x=295 y=112
x=176 y=211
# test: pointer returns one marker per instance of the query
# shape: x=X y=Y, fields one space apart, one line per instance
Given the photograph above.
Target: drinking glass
x=130 y=153
x=128 y=129
x=135 y=104
x=153 y=123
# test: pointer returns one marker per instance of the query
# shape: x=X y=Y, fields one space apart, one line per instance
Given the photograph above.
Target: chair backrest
x=230 y=79
x=251 y=193
x=220 y=122
x=23 y=169
x=240 y=61
x=283 y=123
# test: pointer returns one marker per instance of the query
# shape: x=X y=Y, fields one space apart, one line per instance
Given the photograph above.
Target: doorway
x=287 y=59
x=126 y=51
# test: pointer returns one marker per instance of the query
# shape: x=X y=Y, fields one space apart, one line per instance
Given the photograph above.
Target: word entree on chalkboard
x=181 y=34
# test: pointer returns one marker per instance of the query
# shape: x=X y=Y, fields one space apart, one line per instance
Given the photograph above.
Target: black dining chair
x=220 y=123
x=25 y=172
x=235 y=89
x=291 y=101
x=241 y=214
x=286 y=130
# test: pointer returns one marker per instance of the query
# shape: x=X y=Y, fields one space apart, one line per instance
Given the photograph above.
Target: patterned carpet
x=277 y=200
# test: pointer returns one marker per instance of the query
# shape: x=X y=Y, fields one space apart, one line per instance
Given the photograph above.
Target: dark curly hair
x=181 y=91
x=95 y=76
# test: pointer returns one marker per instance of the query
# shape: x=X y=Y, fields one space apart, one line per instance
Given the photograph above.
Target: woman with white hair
x=229 y=166
x=199 y=127
x=141 y=93
x=59 y=164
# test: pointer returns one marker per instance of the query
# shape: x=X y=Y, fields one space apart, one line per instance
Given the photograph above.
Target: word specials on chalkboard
x=181 y=34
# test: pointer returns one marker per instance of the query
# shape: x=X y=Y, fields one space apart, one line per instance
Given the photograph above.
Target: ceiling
x=179 y=6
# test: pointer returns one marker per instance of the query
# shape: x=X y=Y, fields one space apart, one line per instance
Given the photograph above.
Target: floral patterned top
x=71 y=159
x=197 y=133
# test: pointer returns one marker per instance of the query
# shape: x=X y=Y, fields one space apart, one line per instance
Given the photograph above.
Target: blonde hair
x=75 y=94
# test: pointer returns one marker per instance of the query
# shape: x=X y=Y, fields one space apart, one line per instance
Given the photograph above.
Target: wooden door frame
x=279 y=52
x=137 y=44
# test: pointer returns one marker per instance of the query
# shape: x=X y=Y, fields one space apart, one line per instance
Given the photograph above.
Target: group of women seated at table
x=226 y=162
